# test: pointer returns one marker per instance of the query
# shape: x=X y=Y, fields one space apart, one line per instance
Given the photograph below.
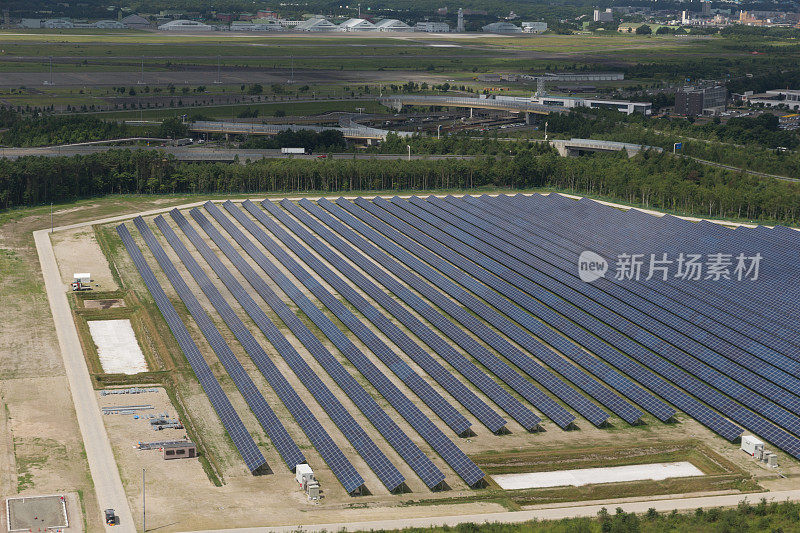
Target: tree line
x=650 y=179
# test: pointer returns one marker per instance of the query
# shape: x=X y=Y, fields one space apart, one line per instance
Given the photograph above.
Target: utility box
x=303 y=474
x=750 y=444
x=772 y=461
x=313 y=491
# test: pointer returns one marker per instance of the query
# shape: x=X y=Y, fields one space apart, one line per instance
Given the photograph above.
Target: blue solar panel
x=362 y=443
x=645 y=298
x=557 y=413
x=327 y=449
x=553 y=311
x=396 y=438
x=242 y=440
x=631 y=346
x=706 y=364
x=514 y=332
x=460 y=463
x=630 y=304
x=331 y=454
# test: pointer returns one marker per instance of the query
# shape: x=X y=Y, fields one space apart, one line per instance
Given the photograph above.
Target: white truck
x=287 y=150
x=80 y=282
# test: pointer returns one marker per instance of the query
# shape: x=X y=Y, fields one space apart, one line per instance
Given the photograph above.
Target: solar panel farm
x=435 y=356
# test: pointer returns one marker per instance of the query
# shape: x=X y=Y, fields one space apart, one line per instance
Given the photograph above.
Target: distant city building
x=135 y=22
x=460 y=26
x=356 y=24
x=392 y=25
x=266 y=14
x=787 y=98
x=290 y=23
x=501 y=27
x=694 y=101
x=603 y=16
x=432 y=27
x=705 y=8
x=185 y=25
x=534 y=27
x=223 y=17
x=317 y=24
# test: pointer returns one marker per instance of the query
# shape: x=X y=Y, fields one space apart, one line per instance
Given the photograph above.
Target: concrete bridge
x=501 y=104
x=573 y=147
x=245 y=128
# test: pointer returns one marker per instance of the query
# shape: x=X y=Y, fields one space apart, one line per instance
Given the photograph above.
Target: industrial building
x=179 y=450
x=623 y=106
x=317 y=24
x=787 y=98
x=356 y=24
x=501 y=27
x=135 y=22
x=392 y=25
x=264 y=25
x=432 y=27
x=534 y=27
x=185 y=25
x=694 y=101
x=110 y=25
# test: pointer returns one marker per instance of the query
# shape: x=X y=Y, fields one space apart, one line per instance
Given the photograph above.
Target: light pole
x=439 y=131
x=51 y=217
x=545 y=130
x=144 y=517
x=409 y=151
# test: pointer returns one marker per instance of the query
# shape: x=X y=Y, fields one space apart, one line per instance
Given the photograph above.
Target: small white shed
x=83 y=277
x=750 y=444
x=303 y=474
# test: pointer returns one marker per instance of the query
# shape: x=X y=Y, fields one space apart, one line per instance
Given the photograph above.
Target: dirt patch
x=103 y=304
x=77 y=250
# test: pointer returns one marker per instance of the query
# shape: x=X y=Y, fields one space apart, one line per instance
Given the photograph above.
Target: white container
x=287 y=150
x=302 y=474
x=750 y=444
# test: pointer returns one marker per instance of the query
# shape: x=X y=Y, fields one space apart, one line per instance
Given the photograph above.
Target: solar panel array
x=481 y=296
x=241 y=438
x=329 y=451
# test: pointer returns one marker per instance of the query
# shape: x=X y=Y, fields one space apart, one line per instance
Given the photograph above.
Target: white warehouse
x=356 y=25
x=392 y=25
x=185 y=25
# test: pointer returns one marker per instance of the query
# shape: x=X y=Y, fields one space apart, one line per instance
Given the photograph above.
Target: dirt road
x=102 y=464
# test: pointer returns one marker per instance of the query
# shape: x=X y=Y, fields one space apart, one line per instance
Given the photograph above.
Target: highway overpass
x=518 y=106
x=247 y=128
x=568 y=147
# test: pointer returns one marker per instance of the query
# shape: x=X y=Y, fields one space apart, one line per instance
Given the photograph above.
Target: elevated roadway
x=519 y=106
x=353 y=131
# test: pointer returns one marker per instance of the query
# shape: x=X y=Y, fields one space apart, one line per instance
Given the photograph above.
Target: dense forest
x=649 y=179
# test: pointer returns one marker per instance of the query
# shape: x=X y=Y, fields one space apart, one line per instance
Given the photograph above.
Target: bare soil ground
x=77 y=251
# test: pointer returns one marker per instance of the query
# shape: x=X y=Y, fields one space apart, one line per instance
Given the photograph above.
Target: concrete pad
x=117 y=347
x=37 y=513
x=586 y=476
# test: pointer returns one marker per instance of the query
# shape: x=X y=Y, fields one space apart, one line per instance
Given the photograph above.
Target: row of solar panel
x=776 y=423
x=430 y=474
x=782 y=437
